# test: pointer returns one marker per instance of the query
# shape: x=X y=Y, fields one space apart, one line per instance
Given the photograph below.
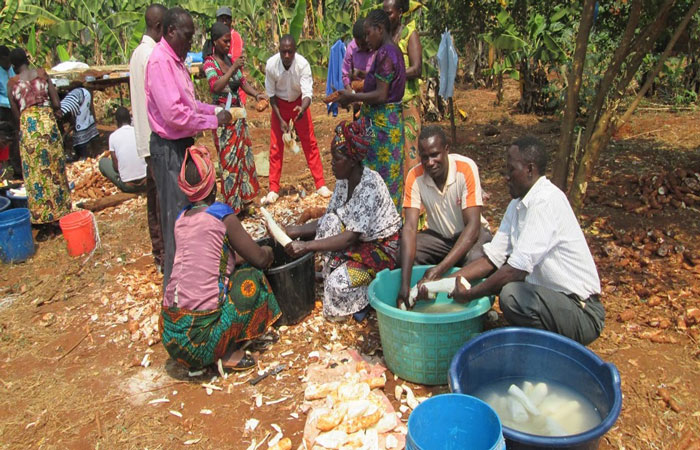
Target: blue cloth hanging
x=447 y=64
x=334 y=79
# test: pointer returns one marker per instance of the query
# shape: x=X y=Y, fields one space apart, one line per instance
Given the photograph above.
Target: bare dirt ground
x=80 y=361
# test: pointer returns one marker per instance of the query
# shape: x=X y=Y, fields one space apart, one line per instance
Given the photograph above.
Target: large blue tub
x=535 y=354
x=4 y=203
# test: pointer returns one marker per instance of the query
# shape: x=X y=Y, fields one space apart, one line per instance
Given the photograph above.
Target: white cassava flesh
x=518 y=394
x=237 y=113
x=446 y=285
x=277 y=232
x=517 y=410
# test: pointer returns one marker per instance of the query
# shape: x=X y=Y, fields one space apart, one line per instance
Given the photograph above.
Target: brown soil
x=74 y=332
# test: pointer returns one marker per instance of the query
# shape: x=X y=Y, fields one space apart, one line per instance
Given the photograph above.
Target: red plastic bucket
x=79 y=231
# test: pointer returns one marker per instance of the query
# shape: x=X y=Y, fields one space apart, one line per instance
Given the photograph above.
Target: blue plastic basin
x=535 y=354
x=16 y=242
x=454 y=422
x=18 y=201
x=418 y=347
x=4 y=203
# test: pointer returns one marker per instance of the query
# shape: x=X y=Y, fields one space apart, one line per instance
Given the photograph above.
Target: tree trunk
x=562 y=161
x=590 y=155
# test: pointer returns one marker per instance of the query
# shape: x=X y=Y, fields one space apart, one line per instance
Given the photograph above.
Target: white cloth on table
x=288 y=84
x=137 y=90
x=123 y=143
x=540 y=235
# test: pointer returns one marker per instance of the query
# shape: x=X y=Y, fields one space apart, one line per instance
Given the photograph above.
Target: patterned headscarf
x=353 y=139
x=205 y=168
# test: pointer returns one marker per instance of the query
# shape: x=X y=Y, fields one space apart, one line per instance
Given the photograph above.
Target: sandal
x=262 y=343
x=243 y=361
x=247 y=362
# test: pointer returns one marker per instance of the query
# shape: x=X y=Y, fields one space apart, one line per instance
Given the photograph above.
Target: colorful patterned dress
x=370 y=212
x=411 y=102
x=41 y=149
x=209 y=303
x=386 y=155
x=239 y=180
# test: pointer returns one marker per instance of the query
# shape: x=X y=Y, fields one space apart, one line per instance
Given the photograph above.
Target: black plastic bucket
x=293 y=283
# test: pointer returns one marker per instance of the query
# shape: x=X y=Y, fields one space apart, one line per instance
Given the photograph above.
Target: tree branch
x=660 y=63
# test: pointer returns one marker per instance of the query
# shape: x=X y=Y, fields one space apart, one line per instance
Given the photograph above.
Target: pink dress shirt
x=173 y=110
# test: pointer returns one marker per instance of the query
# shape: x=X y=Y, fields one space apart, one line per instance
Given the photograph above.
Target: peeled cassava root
x=290 y=138
x=446 y=285
x=276 y=231
x=237 y=113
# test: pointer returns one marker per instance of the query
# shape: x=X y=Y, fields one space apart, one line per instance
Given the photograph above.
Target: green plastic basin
x=418 y=347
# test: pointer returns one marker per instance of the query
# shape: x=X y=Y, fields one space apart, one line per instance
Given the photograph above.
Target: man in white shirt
x=125 y=168
x=137 y=83
x=289 y=86
x=538 y=261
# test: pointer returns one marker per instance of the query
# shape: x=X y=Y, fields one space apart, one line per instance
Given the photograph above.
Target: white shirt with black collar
x=540 y=235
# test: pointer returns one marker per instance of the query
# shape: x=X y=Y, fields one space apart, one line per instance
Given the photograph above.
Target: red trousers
x=305 y=130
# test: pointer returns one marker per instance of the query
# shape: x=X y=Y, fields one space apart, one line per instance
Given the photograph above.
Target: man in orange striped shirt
x=448 y=187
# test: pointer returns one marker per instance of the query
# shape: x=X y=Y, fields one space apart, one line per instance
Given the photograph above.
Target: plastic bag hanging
x=447 y=65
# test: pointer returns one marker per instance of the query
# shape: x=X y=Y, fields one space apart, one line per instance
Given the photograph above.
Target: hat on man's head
x=224 y=11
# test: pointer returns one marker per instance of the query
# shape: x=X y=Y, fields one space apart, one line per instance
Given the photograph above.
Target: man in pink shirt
x=175 y=117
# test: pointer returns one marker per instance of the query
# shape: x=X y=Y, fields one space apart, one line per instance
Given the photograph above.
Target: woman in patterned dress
x=359 y=234
x=211 y=306
x=239 y=181
x=383 y=91
x=34 y=100
x=405 y=35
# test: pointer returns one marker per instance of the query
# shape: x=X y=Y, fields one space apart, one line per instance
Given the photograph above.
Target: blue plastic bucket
x=4 y=203
x=16 y=243
x=524 y=353
x=18 y=201
x=452 y=422
x=418 y=347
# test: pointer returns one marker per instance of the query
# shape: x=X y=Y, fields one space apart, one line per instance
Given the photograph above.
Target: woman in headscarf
x=211 y=305
x=239 y=181
x=359 y=234
x=383 y=91
x=405 y=35
x=34 y=101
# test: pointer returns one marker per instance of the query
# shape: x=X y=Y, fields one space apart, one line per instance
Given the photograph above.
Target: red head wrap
x=205 y=168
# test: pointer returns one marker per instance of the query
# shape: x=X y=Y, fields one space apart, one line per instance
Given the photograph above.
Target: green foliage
x=297 y=22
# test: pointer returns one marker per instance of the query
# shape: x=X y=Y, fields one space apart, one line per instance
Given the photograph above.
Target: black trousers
x=432 y=247
x=166 y=158
x=528 y=305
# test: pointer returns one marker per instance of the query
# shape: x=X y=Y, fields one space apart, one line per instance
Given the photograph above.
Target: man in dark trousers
x=175 y=117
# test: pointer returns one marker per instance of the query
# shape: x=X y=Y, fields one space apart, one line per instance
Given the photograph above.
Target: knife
x=228 y=101
x=274 y=371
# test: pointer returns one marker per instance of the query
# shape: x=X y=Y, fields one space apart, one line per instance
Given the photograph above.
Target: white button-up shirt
x=137 y=90
x=540 y=235
x=288 y=84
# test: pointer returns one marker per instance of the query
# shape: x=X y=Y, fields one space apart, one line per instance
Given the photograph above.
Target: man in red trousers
x=289 y=86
